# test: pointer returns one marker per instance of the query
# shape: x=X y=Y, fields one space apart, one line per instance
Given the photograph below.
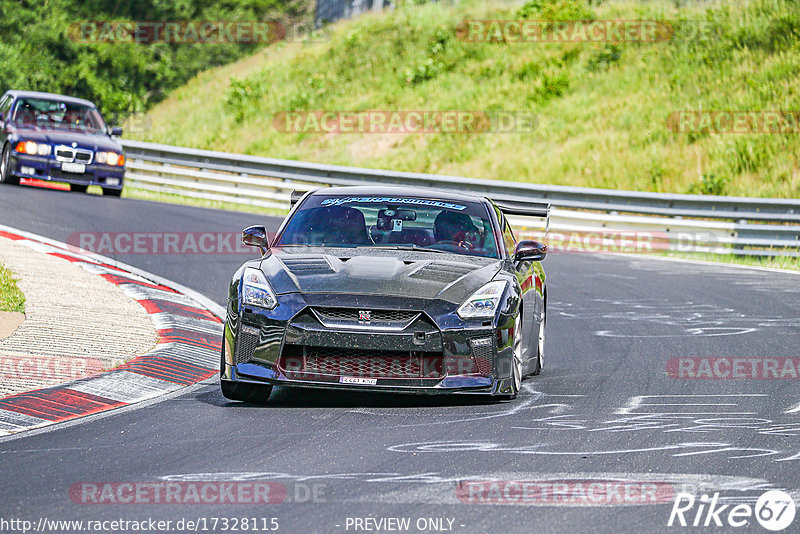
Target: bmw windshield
x=393 y=222
x=57 y=115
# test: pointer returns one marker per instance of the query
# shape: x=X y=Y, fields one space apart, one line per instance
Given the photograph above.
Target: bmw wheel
x=5 y=168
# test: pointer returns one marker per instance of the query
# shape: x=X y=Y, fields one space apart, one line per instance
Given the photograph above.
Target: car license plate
x=357 y=380
x=75 y=168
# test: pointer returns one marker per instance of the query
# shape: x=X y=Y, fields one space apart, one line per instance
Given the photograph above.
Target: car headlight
x=256 y=291
x=32 y=148
x=484 y=302
x=110 y=158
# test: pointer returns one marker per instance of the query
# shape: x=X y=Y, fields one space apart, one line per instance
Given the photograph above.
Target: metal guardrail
x=731 y=225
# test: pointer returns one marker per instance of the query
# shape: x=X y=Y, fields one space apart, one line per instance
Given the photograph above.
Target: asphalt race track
x=605 y=410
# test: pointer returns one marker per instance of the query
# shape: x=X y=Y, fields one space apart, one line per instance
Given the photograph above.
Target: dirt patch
x=9 y=322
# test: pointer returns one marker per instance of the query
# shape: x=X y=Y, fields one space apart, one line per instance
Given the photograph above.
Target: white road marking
x=794 y=409
x=634 y=403
x=705 y=331
x=540 y=449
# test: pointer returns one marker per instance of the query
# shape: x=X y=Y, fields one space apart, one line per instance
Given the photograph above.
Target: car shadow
x=288 y=397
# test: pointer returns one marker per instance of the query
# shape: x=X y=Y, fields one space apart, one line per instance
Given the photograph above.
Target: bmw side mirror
x=530 y=251
x=256 y=236
x=116 y=131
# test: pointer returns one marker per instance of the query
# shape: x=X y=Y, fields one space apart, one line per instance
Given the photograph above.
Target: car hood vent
x=308 y=264
x=441 y=271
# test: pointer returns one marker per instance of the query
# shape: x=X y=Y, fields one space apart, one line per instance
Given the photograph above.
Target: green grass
x=601 y=109
x=11 y=298
x=777 y=262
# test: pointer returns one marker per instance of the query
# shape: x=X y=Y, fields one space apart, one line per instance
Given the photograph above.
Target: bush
x=38 y=50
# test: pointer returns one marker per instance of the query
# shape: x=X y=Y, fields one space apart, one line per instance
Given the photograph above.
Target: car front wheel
x=5 y=168
x=539 y=363
x=516 y=359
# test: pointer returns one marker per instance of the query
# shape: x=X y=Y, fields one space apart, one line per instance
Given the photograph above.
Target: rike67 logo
x=774 y=510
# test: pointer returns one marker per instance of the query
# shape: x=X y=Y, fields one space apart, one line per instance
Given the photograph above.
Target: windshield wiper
x=406 y=247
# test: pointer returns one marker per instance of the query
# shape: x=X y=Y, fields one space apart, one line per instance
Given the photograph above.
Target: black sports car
x=53 y=137
x=387 y=289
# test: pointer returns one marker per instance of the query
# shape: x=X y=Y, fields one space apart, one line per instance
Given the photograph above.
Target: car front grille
x=246 y=344
x=67 y=154
x=364 y=318
x=482 y=354
x=320 y=362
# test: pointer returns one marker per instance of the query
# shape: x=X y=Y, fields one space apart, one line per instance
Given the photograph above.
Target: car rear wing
x=296 y=196
x=527 y=209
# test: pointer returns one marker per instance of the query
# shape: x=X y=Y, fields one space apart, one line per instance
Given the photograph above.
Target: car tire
x=112 y=192
x=77 y=188
x=539 y=364
x=245 y=391
x=5 y=168
x=516 y=359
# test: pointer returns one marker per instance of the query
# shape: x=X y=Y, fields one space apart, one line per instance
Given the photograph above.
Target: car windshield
x=58 y=115
x=393 y=222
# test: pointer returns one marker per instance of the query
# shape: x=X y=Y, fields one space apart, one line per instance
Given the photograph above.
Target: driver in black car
x=453 y=228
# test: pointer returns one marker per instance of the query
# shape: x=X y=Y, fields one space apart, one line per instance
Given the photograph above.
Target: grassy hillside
x=601 y=109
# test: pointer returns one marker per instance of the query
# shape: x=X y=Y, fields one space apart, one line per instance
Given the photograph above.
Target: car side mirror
x=256 y=236
x=530 y=251
x=116 y=131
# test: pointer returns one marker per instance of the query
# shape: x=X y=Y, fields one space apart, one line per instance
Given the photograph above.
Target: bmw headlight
x=256 y=291
x=484 y=302
x=33 y=148
x=110 y=158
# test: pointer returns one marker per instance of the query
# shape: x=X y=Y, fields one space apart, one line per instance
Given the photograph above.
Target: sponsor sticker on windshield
x=338 y=201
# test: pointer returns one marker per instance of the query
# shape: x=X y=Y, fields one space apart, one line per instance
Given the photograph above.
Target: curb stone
x=190 y=336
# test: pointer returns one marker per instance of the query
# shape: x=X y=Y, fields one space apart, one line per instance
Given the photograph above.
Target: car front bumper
x=429 y=356
x=48 y=169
